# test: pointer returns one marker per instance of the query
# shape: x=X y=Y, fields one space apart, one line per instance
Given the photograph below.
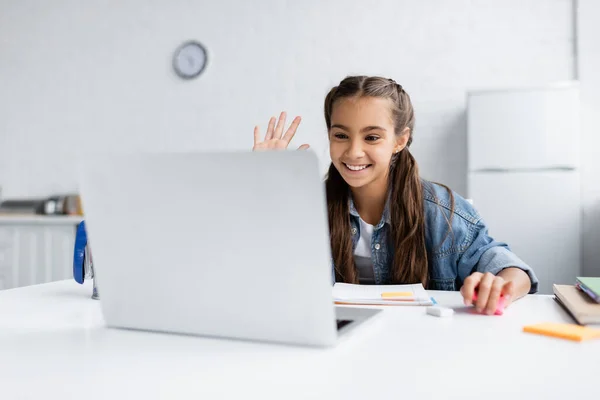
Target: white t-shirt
x=362 y=254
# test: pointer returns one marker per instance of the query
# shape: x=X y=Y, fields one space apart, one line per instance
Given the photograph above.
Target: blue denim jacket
x=467 y=249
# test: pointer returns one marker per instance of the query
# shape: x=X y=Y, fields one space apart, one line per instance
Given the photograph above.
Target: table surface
x=54 y=345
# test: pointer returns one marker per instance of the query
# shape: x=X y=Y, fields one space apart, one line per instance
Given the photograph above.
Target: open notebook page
x=409 y=295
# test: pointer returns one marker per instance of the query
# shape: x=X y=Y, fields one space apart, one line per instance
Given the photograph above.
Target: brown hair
x=406 y=201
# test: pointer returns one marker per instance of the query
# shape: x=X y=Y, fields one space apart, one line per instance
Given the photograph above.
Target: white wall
x=76 y=75
x=588 y=60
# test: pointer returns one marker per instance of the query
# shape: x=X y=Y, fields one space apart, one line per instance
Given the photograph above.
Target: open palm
x=275 y=139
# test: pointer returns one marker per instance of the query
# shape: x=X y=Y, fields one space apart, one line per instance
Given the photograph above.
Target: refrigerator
x=524 y=174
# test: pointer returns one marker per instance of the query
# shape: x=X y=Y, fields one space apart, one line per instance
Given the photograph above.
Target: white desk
x=53 y=345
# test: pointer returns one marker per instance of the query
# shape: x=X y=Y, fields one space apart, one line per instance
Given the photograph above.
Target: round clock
x=190 y=60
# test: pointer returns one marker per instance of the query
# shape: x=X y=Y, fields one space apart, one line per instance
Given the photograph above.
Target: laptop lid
x=227 y=244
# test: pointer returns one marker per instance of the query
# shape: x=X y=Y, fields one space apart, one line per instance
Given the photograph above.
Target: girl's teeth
x=356 y=167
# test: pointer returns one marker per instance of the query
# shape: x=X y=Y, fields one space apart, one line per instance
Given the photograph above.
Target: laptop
x=219 y=244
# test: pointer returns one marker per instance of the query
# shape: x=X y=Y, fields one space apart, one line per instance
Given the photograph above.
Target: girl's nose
x=355 y=150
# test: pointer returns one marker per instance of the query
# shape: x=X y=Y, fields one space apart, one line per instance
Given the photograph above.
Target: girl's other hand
x=275 y=139
x=489 y=289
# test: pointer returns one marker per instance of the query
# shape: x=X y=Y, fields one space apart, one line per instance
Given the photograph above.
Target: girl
x=388 y=225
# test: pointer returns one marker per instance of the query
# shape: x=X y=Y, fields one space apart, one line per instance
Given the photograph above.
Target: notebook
x=396 y=295
x=583 y=309
x=591 y=287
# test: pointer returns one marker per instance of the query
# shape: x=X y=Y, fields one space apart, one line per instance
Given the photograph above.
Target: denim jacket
x=466 y=249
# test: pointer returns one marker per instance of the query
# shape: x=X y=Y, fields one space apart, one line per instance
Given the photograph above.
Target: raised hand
x=274 y=138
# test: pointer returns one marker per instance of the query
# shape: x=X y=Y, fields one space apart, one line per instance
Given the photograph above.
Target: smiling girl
x=387 y=224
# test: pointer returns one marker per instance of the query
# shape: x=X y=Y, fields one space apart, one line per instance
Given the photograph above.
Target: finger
x=304 y=147
x=483 y=291
x=256 y=135
x=292 y=129
x=508 y=291
x=495 y=293
x=280 y=125
x=468 y=287
x=269 y=134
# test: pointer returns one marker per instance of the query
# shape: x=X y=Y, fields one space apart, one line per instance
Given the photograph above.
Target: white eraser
x=440 y=311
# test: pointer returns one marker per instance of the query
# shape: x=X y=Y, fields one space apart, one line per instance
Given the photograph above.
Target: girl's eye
x=371 y=138
x=340 y=135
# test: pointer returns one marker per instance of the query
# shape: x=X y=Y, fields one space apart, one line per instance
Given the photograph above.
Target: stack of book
x=581 y=300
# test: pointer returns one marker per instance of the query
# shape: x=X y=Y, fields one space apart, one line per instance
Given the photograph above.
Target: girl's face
x=362 y=140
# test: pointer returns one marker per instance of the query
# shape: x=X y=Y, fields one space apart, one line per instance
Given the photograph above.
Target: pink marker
x=499 y=305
